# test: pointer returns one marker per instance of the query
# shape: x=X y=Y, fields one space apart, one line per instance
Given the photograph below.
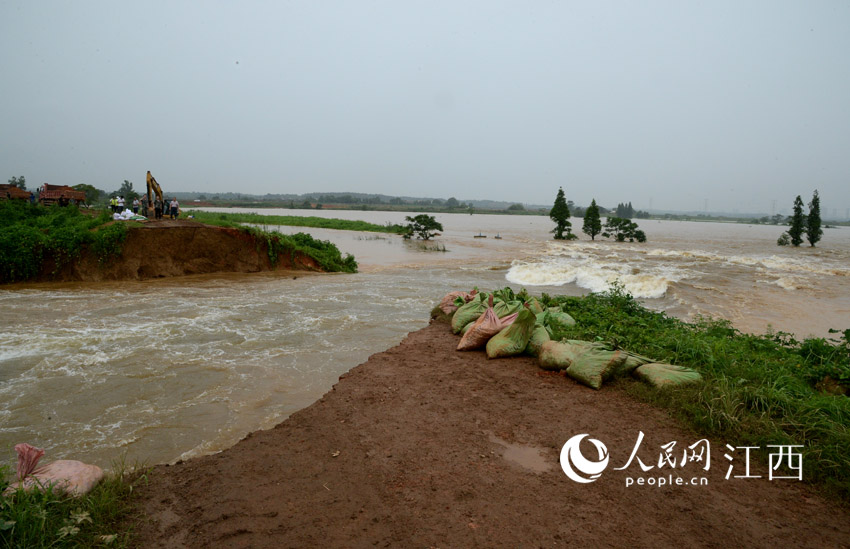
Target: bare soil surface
x=178 y=247
x=424 y=446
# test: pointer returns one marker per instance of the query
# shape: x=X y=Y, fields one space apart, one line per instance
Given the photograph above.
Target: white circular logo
x=576 y=466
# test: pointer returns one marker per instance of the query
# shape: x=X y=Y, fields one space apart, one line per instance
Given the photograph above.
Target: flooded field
x=168 y=369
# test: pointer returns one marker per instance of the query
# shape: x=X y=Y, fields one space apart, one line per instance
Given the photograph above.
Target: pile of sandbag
x=507 y=325
x=502 y=322
x=127 y=215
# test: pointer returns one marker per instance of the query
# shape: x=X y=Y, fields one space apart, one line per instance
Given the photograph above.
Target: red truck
x=62 y=194
x=8 y=192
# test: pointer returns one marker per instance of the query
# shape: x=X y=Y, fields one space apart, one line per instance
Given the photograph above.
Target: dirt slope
x=422 y=446
x=175 y=248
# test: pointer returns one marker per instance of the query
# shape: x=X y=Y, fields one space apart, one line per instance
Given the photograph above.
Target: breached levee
x=178 y=248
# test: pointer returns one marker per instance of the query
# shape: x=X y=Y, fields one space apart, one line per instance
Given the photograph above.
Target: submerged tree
x=424 y=226
x=813 y=230
x=592 y=222
x=621 y=229
x=560 y=214
x=798 y=223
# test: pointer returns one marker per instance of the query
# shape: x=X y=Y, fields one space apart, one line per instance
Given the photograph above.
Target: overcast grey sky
x=664 y=103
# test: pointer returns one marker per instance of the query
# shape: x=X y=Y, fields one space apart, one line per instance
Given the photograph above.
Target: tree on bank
x=126 y=190
x=813 y=230
x=798 y=223
x=424 y=226
x=592 y=222
x=560 y=214
x=625 y=210
x=92 y=194
x=19 y=182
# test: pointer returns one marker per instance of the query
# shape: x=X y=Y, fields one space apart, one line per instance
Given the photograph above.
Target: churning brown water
x=167 y=369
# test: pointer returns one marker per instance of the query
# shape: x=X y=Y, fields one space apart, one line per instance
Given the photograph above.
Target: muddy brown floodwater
x=169 y=369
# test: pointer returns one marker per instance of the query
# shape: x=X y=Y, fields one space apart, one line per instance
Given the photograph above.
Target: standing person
x=113 y=203
x=175 y=208
x=120 y=203
x=136 y=205
x=157 y=208
x=145 y=206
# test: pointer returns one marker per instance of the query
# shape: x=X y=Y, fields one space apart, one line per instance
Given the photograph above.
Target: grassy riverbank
x=42 y=519
x=229 y=219
x=757 y=390
x=37 y=242
x=33 y=234
x=326 y=254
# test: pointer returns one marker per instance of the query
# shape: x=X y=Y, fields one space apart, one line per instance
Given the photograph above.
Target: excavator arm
x=153 y=186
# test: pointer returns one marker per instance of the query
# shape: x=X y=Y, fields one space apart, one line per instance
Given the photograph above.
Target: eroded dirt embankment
x=177 y=248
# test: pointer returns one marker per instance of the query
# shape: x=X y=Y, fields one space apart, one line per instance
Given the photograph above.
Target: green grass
x=293 y=221
x=426 y=246
x=757 y=389
x=326 y=254
x=46 y=518
x=31 y=234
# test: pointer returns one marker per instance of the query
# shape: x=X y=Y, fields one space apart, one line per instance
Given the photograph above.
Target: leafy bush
x=326 y=254
x=30 y=234
x=621 y=228
x=424 y=226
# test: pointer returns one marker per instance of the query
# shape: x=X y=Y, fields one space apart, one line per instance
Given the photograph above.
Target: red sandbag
x=487 y=325
x=447 y=304
x=73 y=477
x=28 y=456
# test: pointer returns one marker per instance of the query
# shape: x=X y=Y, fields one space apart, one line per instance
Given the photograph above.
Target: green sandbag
x=505 y=308
x=666 y=375
x=512 y=340
x=560 y=355
x=558 y=323
x=595 y=366
x=632 y=362
x=534 y=306
x=540 y=318
x=469 y=312
x=539 y=336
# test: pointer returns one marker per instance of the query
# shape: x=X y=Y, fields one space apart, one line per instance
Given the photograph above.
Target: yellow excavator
x=154 y=191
